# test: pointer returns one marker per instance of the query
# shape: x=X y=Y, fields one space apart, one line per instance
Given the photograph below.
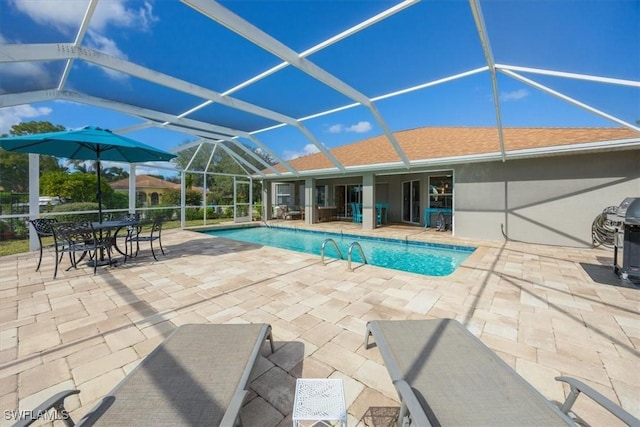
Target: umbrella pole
x=99 y=193
x=99 y=197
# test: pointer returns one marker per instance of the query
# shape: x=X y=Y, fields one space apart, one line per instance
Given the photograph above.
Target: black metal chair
x=133 y=218
x=44 y=230
x=155 y=234
x=81 y=237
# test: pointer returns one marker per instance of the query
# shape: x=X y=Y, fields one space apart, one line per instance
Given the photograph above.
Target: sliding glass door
x=411 y=201
x=345 y=195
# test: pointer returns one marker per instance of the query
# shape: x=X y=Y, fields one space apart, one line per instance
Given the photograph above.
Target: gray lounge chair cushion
x=192 y=379
x=457 y=379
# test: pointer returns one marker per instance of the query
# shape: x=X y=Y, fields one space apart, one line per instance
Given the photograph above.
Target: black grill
x=626 y=252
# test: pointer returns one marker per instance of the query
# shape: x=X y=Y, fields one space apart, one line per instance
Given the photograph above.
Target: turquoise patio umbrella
x=88 y=143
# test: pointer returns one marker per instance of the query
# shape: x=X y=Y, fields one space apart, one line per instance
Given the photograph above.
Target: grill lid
x=632 y=211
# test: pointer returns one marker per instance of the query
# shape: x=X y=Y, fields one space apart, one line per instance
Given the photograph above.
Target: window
x=283 y=194
x=441 y=191
x=321 y=195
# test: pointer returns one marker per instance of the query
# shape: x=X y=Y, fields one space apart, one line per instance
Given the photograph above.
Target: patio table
x=319 y=401
x=117 y=225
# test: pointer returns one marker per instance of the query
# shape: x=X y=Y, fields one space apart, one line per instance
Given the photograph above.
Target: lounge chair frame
x=517 y=396
x=123 y=405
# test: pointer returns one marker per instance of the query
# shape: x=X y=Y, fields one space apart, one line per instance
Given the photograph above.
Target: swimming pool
x=415 y=257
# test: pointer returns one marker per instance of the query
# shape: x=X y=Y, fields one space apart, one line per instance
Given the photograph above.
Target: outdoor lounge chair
x=446 y=376
x=197 y=377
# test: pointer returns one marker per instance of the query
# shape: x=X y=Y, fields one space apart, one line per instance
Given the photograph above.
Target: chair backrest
x=133 y=217
x=74 y=233
x=281 y=211
x=156 y=228
x=43 y=226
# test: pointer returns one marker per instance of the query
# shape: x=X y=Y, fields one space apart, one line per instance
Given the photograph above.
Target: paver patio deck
x=536 y=306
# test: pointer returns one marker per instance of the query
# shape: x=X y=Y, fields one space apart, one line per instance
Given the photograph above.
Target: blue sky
x=423 y=43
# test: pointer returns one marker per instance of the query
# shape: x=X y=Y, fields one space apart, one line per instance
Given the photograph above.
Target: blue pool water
x=415 y=257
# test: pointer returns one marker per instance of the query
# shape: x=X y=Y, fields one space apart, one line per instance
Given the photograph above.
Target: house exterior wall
x=550 y=200
x=546 y=200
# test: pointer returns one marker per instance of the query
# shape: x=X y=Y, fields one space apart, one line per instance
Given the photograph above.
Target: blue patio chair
x=356 y=212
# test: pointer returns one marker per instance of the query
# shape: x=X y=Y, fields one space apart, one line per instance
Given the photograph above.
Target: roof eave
x=619 y=144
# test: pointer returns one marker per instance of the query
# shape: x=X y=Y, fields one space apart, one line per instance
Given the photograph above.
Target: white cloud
x=105 y=45
x=108 y=46
x=306 y=150
x=27 y=71
x=360 y=127
x=10 y=116
x=335 y=129
x=114 y=12
x=66 y=15
x=514 y=96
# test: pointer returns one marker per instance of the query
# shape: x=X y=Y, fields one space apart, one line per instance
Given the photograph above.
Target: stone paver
x=535 y=306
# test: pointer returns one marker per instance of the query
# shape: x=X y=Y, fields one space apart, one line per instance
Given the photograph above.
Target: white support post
x=235 y=200
x=250 y=199
x=183 y=199
x=204 y=197
x=309 y=200
x=369 y=215
x=266 y=200
x=34 y=197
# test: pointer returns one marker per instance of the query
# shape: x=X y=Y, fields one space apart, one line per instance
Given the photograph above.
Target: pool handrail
x=351 y=246
x=325 y=244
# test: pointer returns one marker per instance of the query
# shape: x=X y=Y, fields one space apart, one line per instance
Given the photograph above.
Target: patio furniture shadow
x=207 y=245
x=274 y=380
x=381 y=416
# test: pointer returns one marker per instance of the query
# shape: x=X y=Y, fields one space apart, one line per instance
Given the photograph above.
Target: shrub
x=193 y=214
x=168 y=214
x=74 y=207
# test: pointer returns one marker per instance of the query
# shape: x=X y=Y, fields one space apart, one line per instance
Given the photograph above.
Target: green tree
x=33 y=127
x=78 y=187
x=83 y=166
x=220 y=188
x=14 y=167
x=172 y=198
x=114 y=174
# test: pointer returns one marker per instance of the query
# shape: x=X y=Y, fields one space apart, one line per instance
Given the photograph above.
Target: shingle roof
x=445 y=142
x=144 y=181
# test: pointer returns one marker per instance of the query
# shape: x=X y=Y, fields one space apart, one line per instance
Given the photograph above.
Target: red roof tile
x=144 y=181
x=439 y=142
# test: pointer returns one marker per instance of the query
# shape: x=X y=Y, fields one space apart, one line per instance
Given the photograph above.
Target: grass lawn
x=11 y=247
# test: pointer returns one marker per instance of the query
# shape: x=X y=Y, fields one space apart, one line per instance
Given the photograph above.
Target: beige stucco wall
x=550 y=200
